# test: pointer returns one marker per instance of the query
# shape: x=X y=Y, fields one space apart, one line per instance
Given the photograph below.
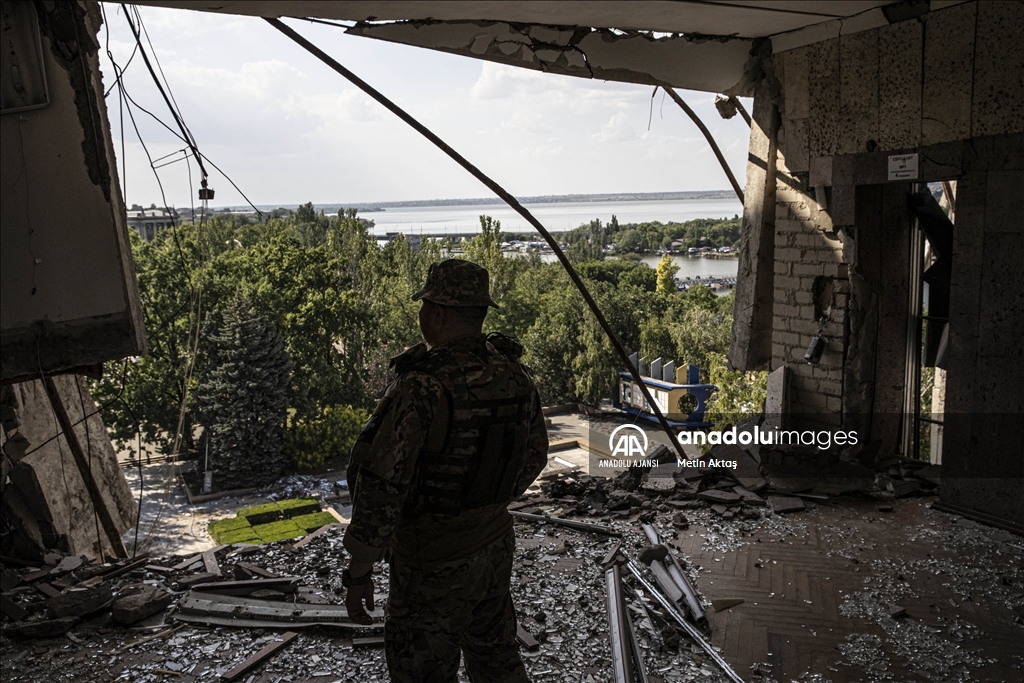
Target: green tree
x=242 y=397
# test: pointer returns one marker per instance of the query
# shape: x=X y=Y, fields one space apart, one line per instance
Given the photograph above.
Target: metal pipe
x=572 y=524
x=634 y=646
x=508 y=199
x=678 y=576
x=707 y=136
x=622 y=665
x=690 y=629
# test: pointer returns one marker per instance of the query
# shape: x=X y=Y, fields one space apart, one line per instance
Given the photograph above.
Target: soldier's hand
x=355 y=597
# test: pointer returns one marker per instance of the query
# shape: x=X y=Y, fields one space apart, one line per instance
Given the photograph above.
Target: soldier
x=458 y=435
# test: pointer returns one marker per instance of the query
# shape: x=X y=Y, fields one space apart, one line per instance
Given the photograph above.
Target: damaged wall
x=694 y=62
x=46 y=500
x=949 y=85
x=70 y=296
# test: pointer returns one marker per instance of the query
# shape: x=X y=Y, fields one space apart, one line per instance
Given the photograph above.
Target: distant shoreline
x=494 y=201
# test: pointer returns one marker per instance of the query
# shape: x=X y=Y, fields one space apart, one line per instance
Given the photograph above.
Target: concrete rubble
x=200 y=616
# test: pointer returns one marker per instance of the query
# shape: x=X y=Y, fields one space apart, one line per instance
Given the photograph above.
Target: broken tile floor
x=817 y=588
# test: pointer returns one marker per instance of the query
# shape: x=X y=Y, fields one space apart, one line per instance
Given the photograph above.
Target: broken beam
x=526 y=638
x=581 y=526
x=268 y=651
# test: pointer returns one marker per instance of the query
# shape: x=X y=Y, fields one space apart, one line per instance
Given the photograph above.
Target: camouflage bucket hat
x=456 y=283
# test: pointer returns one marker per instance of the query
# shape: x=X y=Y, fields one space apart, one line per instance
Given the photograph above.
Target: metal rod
x=622 y=665
x=508 y=198
x=690 y=629
x=707 y=136
x=572 y=524
x=741 y=109
x=678 y=576
x=634 y=645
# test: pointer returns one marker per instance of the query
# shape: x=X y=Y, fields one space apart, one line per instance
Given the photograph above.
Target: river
x=556 y=217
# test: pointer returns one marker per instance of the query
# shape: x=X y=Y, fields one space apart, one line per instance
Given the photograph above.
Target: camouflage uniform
x=457 y=436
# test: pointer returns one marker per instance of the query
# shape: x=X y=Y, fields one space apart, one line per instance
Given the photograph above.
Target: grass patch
x=271 y=522
x=314 y=521
x=278 y=531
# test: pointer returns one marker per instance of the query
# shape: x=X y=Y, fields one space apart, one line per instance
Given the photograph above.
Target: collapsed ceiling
x=701 y=45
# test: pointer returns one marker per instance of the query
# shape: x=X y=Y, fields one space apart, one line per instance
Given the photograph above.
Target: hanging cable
x=508 y=198
x=174 y=113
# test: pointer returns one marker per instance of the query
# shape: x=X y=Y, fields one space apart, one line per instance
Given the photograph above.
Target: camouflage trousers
x=463 y=606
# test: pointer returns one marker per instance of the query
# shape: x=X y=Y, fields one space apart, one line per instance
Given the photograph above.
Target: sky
x=289 y=130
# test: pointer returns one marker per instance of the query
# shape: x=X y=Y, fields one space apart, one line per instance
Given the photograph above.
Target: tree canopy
x=340 y=301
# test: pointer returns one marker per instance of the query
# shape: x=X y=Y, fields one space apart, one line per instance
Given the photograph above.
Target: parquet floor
x=793 y=587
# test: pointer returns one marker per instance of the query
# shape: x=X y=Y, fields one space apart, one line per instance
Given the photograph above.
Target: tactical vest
x=485 y=442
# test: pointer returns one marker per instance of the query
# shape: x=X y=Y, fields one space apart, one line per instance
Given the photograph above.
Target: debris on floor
x=220 y=613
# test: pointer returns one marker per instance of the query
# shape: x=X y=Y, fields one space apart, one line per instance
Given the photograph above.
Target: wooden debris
x=210 y=562
x=189 y=581
x=283 y=584
x=141 y=603
x=49 y=628
x=259 y=571
x=157 y=569
x=781 y=504
x=78 y=603
x=334 y=513
x=125 y=568
x=721 y=497
x=11 y=609
x=36 y=575
x=226 y=610
x=185 y=564
x=610 y=556
x=526 y=638
x=316 y=534
x=9 y=579
x=47 y=590
x=370 y=641
x=725 y=603
x=268 y=651
x=155 y=636
x=68 y=564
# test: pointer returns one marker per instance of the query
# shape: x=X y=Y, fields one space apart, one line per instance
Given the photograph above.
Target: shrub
x=311 y=443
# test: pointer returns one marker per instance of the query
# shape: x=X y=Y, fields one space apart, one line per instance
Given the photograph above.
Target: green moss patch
x=244 y=535
x=271 y=522
x=314 y=521
x=278 y=531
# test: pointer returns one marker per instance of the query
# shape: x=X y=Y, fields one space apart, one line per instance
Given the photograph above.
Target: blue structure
x=670 y=387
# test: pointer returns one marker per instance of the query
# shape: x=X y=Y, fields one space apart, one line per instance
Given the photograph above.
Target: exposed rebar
x=707 y=136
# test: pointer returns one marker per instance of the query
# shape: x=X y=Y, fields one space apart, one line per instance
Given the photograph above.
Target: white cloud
x=618 y=129
x=290 y=130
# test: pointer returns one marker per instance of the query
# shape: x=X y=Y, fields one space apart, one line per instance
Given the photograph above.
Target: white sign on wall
x=903 y=166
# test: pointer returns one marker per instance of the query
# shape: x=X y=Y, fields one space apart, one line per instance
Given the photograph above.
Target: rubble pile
x=274 y=612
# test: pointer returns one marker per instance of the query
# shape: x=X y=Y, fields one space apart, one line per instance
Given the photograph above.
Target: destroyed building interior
x=863 y=564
